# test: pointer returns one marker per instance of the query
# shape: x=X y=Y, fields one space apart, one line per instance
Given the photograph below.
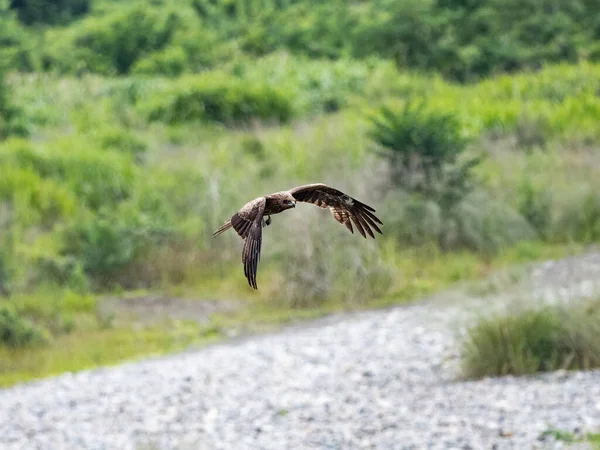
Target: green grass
x=570 y=438
x=534 y=340
x=99 y=200
x=88 y=349
x=594 y=439
x=98 y=339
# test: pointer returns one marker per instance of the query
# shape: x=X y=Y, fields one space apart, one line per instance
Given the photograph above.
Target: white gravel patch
x=375 y=380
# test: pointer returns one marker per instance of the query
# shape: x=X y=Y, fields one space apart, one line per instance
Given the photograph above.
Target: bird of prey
x=249 y=221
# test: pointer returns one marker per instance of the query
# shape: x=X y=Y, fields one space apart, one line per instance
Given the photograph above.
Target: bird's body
x=249 y=220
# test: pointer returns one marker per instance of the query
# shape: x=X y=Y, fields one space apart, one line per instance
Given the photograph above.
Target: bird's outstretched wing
x=248 y=224
x=344 y=208
x=242 y=220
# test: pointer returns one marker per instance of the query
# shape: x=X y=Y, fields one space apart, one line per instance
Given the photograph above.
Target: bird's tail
x=226 y=226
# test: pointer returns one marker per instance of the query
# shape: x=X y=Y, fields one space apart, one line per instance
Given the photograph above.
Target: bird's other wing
x=242 y=220
x=344 y=208
x=248 y=224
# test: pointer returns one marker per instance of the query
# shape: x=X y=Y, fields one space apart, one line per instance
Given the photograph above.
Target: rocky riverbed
x=384 y=379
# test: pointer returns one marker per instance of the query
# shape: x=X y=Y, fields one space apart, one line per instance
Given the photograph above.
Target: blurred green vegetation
x=535 y=340
x=461 y=39
x=129 y=131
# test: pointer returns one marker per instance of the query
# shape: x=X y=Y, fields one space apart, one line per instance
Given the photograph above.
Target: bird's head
x=288 y=201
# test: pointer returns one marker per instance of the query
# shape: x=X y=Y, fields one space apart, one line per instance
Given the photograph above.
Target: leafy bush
x=107 y=244
x=533 y=340
x=422 y=149
x=96 y=178
x=32 y=199
x=49 y=11
x=171 y=61
x=317 y=30
x=16 y=331
x=114 y=43
x=221 y=98
x=121 y=140
x=316 y=85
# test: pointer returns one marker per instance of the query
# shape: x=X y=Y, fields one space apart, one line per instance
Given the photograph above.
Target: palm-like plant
x=423 y=149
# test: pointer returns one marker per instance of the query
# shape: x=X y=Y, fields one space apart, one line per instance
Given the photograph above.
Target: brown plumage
x=248 y=221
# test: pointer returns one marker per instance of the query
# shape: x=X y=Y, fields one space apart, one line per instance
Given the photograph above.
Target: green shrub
x=317 y=30
x=121 y=140
x=61 y=270
x=106 y=245
x=96 y=178
x=221 y=98
x=112 y=44
x=423 y=149
x=316 y=86
x=533 y=340
x=16 y=331
x=172 y=61
x=11 y=39
x=32 y=199
x=406 y=31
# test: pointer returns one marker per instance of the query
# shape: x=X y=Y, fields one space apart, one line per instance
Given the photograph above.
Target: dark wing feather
x=247 y=223
x=252 y=242
x=242 y=220
x=345 y=209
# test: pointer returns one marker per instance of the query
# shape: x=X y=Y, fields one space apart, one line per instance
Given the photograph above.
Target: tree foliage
x=423 y=149
x=61 y=12
x=463 y=40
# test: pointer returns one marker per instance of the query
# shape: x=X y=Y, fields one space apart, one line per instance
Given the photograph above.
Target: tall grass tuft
x=534 y=340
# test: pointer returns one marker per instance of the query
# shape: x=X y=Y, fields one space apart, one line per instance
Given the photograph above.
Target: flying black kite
x=249 y=221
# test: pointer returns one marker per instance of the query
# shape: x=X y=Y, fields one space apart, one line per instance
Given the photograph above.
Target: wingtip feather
x=226 y=226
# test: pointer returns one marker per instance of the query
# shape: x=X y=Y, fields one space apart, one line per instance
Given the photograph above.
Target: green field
x=129 y=133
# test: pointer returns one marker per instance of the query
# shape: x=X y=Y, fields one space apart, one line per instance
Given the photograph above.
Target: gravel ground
x=382 y=380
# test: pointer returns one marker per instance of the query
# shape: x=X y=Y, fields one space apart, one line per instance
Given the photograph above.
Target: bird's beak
x=294 y=204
